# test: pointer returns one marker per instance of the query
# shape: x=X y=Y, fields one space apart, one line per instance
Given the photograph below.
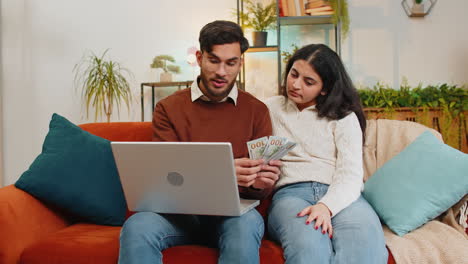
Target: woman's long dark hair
x=341 y=97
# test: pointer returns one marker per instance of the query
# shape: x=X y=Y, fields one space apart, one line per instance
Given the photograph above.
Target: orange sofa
x=35 y=233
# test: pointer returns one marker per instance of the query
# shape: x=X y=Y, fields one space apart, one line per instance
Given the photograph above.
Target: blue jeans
x=145 y=235
x=357 y=232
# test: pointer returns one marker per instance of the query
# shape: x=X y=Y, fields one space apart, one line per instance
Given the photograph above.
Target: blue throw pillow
x=76 y=172
x=418 y=184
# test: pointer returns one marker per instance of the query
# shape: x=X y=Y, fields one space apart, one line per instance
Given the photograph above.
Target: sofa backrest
x=384 y=138
x=121 y=131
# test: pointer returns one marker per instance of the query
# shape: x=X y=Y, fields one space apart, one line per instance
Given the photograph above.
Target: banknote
x=274 y=145
x=257 y=147
x=269 y=148
x=282 y=152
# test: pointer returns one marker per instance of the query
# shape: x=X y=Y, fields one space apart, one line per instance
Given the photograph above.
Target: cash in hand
x=269 y=148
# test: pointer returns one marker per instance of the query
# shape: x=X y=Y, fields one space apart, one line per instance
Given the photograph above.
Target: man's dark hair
x=221 y=32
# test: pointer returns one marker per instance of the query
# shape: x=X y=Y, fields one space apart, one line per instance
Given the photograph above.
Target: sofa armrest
x=23 y=221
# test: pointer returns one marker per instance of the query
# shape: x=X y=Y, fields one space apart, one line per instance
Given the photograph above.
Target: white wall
x=386 y=45
x=41 y=40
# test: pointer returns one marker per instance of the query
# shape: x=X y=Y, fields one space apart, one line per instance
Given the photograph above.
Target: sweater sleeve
x=163 y=129
x=262 y=127
x=347 y=181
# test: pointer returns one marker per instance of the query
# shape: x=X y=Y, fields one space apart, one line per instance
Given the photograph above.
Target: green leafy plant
x=257 y=16
x=161 y=62
x=288 y=54
x=418 y=1
x=340 y=14
x=103 y=84
x=450 y=100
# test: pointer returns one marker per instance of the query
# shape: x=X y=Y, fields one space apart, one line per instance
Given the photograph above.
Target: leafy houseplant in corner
x=103 y=83
x=161 y=62
x=259 y=18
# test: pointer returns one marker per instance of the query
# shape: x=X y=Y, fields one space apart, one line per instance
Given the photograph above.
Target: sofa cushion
x=88 y=243
x=78 y=244
x=418 y=184
x=76 y=172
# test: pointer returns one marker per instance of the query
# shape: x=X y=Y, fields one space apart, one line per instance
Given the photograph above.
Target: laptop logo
x=175 y=178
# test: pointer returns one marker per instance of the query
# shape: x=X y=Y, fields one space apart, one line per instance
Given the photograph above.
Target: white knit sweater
x=327 y=151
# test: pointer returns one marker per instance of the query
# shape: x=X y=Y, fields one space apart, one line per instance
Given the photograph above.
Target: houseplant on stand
x=259 y=18
x=103 y=84
x=161 y=62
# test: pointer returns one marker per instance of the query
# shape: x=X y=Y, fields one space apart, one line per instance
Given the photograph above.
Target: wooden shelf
x=263 y=49
x=305 y=20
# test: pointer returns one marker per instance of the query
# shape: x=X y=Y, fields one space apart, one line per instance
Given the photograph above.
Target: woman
x=317 y=212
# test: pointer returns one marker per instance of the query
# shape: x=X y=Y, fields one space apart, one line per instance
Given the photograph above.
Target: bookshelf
x=299 y=30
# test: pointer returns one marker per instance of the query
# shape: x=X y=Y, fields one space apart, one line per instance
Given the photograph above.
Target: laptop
x=180 y=178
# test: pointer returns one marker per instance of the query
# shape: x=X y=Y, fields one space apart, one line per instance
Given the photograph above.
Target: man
x=213 y=109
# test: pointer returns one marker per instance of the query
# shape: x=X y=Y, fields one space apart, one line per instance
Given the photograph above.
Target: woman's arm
x=347 y=181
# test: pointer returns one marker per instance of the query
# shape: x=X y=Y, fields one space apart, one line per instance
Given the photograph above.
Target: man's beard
x=218 y=93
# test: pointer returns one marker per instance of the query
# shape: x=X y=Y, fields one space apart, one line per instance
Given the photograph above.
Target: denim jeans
x=145 y=235
x=357 y=232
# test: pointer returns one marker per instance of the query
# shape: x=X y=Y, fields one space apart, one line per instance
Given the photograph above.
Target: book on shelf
x=316 y=3
x=284 y=7
x=292 y=8
x=319 y=9
x=320 y=13
x=301 y=9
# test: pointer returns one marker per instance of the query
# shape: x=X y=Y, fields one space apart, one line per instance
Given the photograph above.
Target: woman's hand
x=322 y=216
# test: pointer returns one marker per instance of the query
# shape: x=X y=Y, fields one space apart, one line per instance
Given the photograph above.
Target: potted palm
x=161 y=62
x=260 y=18
x=103 y=83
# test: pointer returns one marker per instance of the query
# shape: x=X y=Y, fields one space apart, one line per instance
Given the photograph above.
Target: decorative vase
x=165 y=77
x=417 y=8
x=259 y=38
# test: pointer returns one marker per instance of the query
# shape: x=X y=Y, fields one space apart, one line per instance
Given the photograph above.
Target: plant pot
x=259 y=38
x=417 y=8
x=165 y=77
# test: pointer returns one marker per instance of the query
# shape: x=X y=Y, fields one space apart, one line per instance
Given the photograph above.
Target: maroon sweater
x=177 y=118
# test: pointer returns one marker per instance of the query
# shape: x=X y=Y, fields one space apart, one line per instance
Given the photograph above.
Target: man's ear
x=323 y=93
x=199 y=55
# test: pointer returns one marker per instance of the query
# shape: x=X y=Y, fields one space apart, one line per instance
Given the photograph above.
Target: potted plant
x=161 y=62
x=443 y=107
x=288 y=54
x=260 y=18
x=418 y=7
x=103 y=84
x=340 y=15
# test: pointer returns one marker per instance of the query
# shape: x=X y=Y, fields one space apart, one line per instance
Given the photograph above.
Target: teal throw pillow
x=76 y=172
x=418 y=184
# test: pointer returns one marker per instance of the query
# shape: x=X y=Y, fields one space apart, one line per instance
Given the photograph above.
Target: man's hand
x=322 y=216
x=268 y=175
x=247 y=170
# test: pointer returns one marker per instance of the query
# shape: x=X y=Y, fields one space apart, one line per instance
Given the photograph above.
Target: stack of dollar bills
x=269 y=148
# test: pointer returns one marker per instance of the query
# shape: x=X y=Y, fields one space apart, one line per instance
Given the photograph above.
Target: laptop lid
x=179 y=177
